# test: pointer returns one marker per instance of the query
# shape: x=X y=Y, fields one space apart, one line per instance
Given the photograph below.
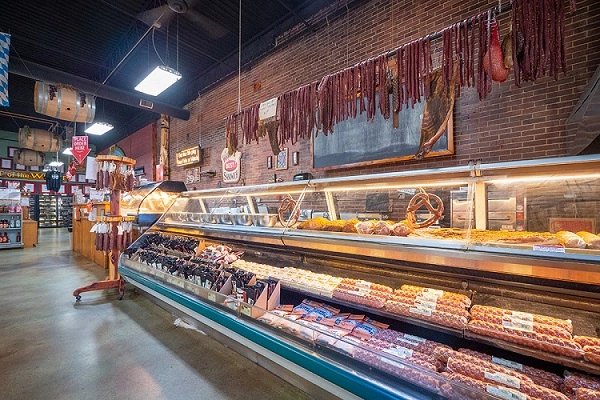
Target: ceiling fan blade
x=149 y=16
x=214 y=29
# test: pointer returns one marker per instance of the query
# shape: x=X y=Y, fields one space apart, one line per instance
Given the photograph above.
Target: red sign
x=79 y=148
x=230 y=165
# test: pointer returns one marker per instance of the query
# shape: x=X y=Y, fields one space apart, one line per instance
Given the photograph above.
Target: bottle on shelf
x=18 y=237
x=12 y=222
x=18 y=222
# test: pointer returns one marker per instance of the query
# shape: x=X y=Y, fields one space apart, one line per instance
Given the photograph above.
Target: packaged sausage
x=574 y=380
x=461 y=299
x=540 y=341
x=496 y=390
x=409 y=341
x=586 y=394
x=592 y=354
x=480 y=313
x=492 y=375
x=587 y=340
x=538 y=376
x=424 y=312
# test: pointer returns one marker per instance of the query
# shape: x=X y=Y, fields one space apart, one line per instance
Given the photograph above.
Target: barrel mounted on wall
x=63 y=102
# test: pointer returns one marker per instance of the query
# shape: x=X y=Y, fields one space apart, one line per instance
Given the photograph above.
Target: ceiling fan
x=165 y=13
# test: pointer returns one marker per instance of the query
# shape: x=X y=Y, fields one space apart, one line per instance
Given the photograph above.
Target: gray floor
x=54 y=348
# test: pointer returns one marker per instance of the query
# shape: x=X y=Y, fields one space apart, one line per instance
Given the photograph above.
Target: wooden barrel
x=39 y=140
x=62 y=102
x=29 y=157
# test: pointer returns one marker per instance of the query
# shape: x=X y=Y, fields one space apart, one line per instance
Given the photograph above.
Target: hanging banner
x=267 y=109
x=4 y=52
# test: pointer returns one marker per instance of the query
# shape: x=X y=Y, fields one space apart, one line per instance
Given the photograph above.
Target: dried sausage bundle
x=444 y=297
x=490 y=375
x=538 y=376
x=412 y=342
x=424 y=312
x=592 y=354
x=536 y=340
x=481 y=312
x=586 y=394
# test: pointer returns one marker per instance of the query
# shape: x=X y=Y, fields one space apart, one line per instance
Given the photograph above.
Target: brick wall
x=139 y=146
x=511 y=124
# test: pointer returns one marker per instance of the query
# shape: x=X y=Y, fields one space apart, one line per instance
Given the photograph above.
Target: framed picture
x=11 y=151
x=20 y=167
x=86 y=190
x=282 y=159
x=296 y=157
x=29 y=187
x=13 y=184
x=44 y=189
x=75 y=188
x=62 y=189
x=269 y=162
x=81 y=178
x=6 y=163
x=34 y=168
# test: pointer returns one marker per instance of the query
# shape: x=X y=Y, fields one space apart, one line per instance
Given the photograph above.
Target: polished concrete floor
x=101 y=348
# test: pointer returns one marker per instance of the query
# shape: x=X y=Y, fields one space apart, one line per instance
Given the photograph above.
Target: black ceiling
x=88 y=39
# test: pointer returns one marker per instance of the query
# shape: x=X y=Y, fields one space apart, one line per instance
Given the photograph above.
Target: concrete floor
x=101 y=348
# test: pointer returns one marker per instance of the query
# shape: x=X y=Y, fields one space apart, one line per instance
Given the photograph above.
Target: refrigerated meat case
x=149 y=201
x=533 y=273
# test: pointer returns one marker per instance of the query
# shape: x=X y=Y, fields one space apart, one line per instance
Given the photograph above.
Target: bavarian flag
x=4 y=51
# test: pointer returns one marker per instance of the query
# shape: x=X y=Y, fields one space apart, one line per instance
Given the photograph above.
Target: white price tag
x=400 y=352
x=507 y=363
x=432 y=293
x=518 y=325
x=504 y=379
x=505 y=393
x=426 y=303
x=391 y=362
x=415 y=338
x=422 y=311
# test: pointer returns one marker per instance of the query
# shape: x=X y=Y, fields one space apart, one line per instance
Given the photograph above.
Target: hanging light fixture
x=163 y=76
x=99 y=128
x=158 y=80
x=67 y=151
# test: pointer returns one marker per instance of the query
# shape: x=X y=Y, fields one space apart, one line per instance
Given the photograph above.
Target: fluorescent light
x=158 y=80
x=68 y=151
x=99 y=128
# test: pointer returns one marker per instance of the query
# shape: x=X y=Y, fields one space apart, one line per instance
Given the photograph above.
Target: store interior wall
x=139 y=146
x=511 y=124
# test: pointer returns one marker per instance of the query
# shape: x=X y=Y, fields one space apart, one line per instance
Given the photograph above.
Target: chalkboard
x=358 y=141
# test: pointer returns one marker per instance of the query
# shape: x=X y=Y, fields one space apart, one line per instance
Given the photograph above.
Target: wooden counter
x=29 y=232
x=83 y=242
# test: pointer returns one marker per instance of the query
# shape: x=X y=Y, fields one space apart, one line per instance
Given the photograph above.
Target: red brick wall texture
x=511 y=124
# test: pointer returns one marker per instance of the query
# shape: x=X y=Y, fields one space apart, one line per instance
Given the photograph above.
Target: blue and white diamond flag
x=4 y=51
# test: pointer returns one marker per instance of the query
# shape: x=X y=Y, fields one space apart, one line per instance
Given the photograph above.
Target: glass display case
x=499 y=258
x=149 y=201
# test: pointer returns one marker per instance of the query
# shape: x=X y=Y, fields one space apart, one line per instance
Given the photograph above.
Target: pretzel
x=424 y=199
x=288 y=204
